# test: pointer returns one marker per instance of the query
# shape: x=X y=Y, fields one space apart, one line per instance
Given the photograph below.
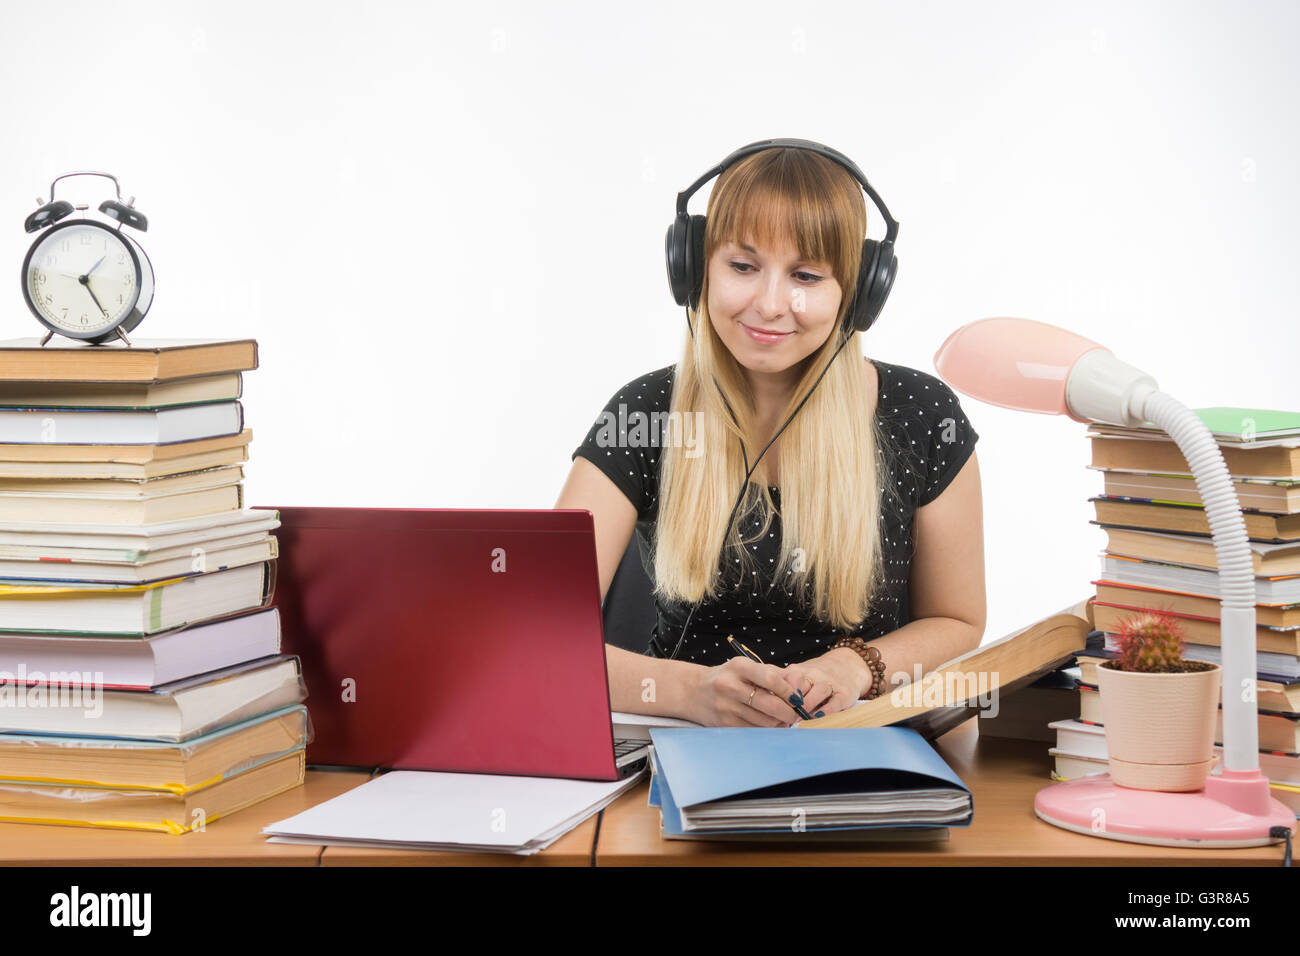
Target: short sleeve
x=624 y=440
x=951 y=440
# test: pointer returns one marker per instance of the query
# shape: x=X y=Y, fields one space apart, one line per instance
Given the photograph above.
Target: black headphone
x=684 y=246
x=684 y=242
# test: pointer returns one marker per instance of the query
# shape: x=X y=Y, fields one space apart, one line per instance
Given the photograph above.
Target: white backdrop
x=444 y=223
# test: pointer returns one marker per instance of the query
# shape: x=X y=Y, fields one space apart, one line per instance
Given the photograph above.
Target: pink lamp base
x=1233 y=810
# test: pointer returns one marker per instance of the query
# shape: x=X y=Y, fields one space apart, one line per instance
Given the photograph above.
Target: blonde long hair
x=832 y=471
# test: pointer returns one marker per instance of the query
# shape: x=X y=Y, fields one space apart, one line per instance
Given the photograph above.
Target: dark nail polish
x=797 y=698
x=820 y=713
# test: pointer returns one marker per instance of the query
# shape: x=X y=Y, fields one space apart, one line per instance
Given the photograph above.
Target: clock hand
x=94 y=267
x=65 y=275
x=85 y=281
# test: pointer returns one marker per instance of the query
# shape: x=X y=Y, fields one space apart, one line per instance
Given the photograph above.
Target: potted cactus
x=1158 y=709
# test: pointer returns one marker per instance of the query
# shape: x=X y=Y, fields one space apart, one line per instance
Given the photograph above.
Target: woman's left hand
x=831 y=682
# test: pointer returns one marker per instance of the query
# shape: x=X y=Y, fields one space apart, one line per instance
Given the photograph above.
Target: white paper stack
x=637 y=726
x=419 y=810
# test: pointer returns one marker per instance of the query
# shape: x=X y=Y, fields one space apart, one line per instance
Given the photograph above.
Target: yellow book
x=122 y=461
x=176 y=768
x=188 y=391
x=160 y=811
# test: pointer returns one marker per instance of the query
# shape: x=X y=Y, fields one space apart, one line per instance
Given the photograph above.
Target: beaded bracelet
x=870 y=655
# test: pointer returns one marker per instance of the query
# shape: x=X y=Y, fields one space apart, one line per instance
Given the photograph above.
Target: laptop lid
x=448 y=639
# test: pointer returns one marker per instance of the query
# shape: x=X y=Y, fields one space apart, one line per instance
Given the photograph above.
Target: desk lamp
x=1035 y=367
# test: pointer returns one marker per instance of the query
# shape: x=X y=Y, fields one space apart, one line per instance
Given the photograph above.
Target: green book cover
x=1246 y=424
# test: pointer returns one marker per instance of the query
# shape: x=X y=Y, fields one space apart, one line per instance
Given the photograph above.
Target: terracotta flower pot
x=1159 y=727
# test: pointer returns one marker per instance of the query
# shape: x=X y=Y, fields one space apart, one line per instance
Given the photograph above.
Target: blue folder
x=699 y=765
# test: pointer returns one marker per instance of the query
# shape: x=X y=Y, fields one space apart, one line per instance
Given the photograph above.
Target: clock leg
x=48 y=336
x=122 y=336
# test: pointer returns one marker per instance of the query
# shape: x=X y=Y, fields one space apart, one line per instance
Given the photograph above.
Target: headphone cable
x=749 y=469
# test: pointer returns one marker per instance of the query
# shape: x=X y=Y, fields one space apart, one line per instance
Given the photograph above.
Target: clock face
x=82 y=278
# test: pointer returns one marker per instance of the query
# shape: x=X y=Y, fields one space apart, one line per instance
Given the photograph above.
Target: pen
x=744 y=651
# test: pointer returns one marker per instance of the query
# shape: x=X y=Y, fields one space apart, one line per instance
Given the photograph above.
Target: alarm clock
x=85 y=278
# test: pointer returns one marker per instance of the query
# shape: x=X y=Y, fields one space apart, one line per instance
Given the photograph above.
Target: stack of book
x=141 y=679
x=1160 y=556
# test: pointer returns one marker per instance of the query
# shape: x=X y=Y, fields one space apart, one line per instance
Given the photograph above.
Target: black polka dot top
x=930 y=440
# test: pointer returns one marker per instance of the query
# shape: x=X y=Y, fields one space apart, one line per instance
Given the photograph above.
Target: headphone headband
x=891 y=232
x=684 y=242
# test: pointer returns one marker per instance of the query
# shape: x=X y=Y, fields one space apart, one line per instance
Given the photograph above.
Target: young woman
x=863 y=519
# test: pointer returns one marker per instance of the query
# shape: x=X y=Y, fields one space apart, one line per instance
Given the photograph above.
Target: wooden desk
x=1003 y=776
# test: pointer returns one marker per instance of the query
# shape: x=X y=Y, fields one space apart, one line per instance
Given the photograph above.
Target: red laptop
x=447 y=639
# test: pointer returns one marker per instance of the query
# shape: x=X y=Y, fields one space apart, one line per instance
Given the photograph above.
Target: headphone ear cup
x=677 y=254
x=859 y=318
x=874 y=282
x=48 y=215
x=673 y=259
x=695 y=258
x=883 y=279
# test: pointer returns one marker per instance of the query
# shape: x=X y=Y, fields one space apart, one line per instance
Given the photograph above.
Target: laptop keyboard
x=624 y=747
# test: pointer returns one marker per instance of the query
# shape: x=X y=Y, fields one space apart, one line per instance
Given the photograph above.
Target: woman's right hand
x=741 y=693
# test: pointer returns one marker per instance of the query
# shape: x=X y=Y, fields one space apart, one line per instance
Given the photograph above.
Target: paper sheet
x=453 y=811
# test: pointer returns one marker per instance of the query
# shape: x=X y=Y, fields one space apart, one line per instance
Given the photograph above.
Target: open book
x=951 y=694
x=959 y=689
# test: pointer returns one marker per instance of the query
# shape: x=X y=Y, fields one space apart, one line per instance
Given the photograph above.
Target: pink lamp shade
x=1015 y=363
